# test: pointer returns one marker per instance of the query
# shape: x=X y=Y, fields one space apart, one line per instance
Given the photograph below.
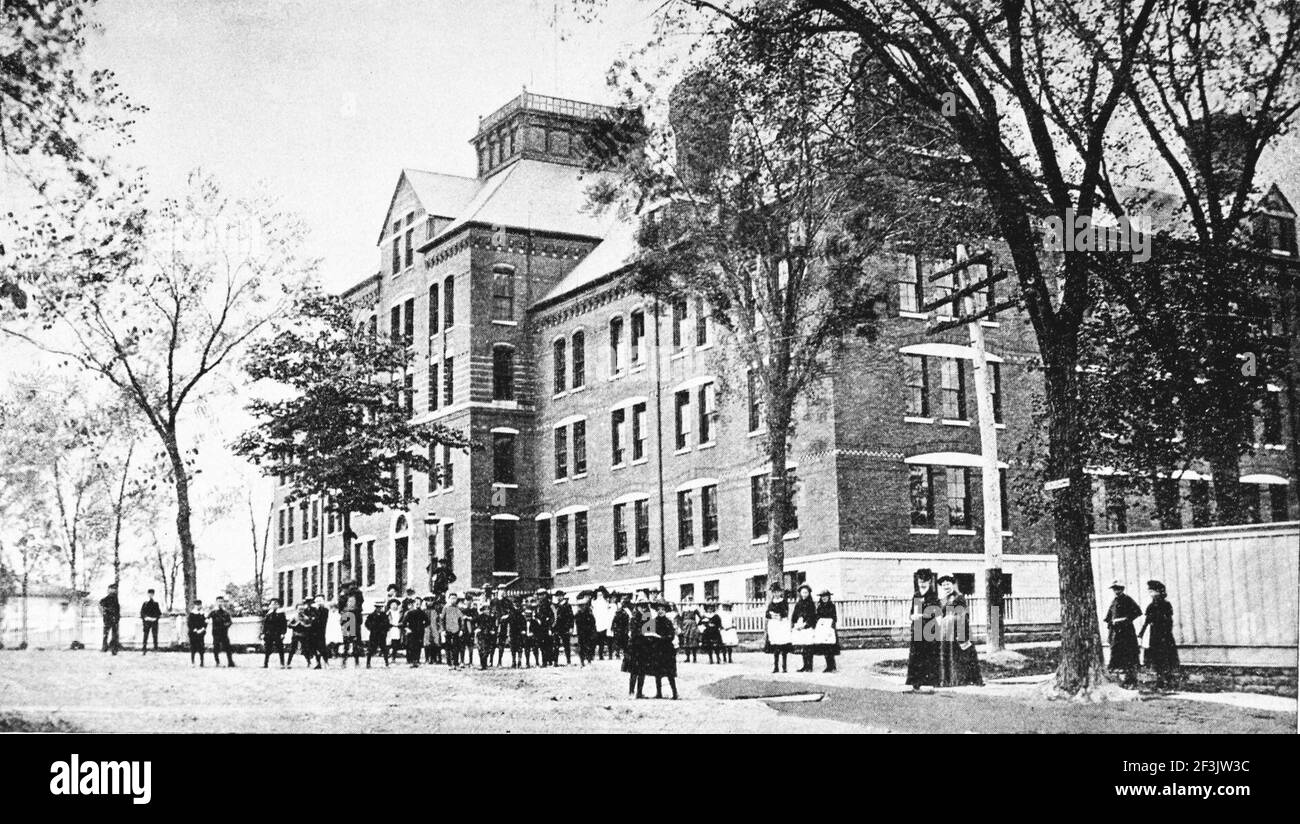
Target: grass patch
x=1038 y=661
x=17 y=723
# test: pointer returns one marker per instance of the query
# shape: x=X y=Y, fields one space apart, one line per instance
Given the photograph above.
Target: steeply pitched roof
x=440 y=194
x=532 y=194
x=609 y=256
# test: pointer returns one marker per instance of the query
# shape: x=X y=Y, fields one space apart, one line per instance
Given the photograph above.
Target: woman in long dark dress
x=959 y=665
x=635 y=653
x=711 y=632
x=828 y=620
x=1162 y=651
x=1122 y=634
x=923 y=652
x=688 y=623
x=777 y=638
x=803 y=618
x=661 y=657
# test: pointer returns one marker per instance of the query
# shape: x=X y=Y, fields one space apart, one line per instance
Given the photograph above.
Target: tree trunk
x=1082 y=669
x=181 y=482
x=778 y=499
x=117 y=518
x=1225 y=469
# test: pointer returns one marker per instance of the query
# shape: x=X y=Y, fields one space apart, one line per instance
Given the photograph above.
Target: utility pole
x=659 y=450
x=965 y=288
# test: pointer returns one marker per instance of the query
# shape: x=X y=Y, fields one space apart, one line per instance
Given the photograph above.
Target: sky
x=327 y=101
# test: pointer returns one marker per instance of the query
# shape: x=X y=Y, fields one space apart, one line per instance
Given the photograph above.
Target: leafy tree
x=768 y=192
x=160 y=304
x=343 y=431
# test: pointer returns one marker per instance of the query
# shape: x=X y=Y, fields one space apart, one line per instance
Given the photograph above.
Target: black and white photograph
x=651 y=366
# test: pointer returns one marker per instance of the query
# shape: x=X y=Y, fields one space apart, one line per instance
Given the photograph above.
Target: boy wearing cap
x=274 y=625
x=452 y=620
x=584 y=622
x=221 y=620
x=150 y=613
x=197 y=624
x=377 y=627
x=301 y=626
x=414 y=622
x=563 y=627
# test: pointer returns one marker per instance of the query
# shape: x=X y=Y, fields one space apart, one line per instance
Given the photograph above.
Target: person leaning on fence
x=150 y=615
x=1158 y=628
x=923 y=650
x=778 y=629
x=826 y=642
x=959 y=665
x=803 y=620
x=197 y=625
x=221 y=619
x=377 y=628
x=1122 y=635
x=274 y=625
x=110 y=610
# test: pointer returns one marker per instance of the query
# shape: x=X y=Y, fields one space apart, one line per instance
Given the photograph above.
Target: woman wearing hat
x=1122 y=635
x=1162 y=652
x=958 y=664
x=635 y=654
x=827 y=641
x=688 y=629
x=802 y=620
x=661 y=657
x=711 y=632
x=778 y=628
x=923 y=651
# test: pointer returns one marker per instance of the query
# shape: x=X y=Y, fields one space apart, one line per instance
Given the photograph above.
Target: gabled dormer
x=423 y=203
x=1275 y=223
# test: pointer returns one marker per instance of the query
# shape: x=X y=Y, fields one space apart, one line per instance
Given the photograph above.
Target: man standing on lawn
x=111 y=612
x=150 y=614
x=221 y=619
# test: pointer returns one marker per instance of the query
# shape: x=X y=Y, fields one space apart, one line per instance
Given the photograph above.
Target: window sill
x=682 y=451
x=621 y=562
x=916 y=530
x=505 y=574
x=562 y=571
x=711 y=548
x=640 y=461
x=581 y=568
x=643 y=559
x=558 y=395
x=504 y=485
x=577 y=389
x=792 y=535
x=700 y=347
x=757 y=541
x=503 y=403
x=912 y=419
x=640 y=367
x=951 y=422
x=678 y=355
x=615 y=376
x=964 y=532
x=990 y=324
x=559 y=480
x=683 y=552
x=757 y=432
x=707 y=445
x=618 y=466
x=578 y=477
x=505 y=322
x=913 y=315
x=999 y=426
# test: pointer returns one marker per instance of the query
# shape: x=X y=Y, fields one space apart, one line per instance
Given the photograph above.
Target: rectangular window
x=449 y=544
x=579 y=447
x=544 y=549
x=561 y=541
x=409 y=248
x=909 y=285
x=642 y=508
x=449 y=302
x=315 y=519
x=918 y=384
x=408 y=482
x=329 y=581
x=759 y=502
x=397 y=253
x=280 y=530
x=615 y=346
x=279 y=586
x=579 y=359
x=638 y=431
x=448 y=381
x=503 y=292
x=503 y=373
x=448 y=478
x=707 y=413
x=315 y=579
x=921 y=492
x=1005 y=503
x=503 y=545
x=408 y=321
x=686 y=592
x=290 y=520
x=709 y=505
x=306 y=582
x=685 y=521
x=435 y=469
x=408 y=393
x=637 y=338
x=756 y=400
x=434 y=388
x=370 y=563
x=433 y=309
x=620 y=532
x=559 y=362
x=711 y=590
x=996 y=391
x=288 y=587
x=503 y=457
x=616 y=419
x=561 y=452
x=954 y=389
x=1198 y=495
x=1277 y=502
x=580 y=539
x=681 y=417
x=395 y=324
x=679 y=324
x=701 y=323
x=959 y=514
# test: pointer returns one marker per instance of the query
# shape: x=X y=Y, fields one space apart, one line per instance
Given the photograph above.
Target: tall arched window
x=503 y=372
x=503 y=292
x=433 y=309
x=579 y=359
x=559 y=364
